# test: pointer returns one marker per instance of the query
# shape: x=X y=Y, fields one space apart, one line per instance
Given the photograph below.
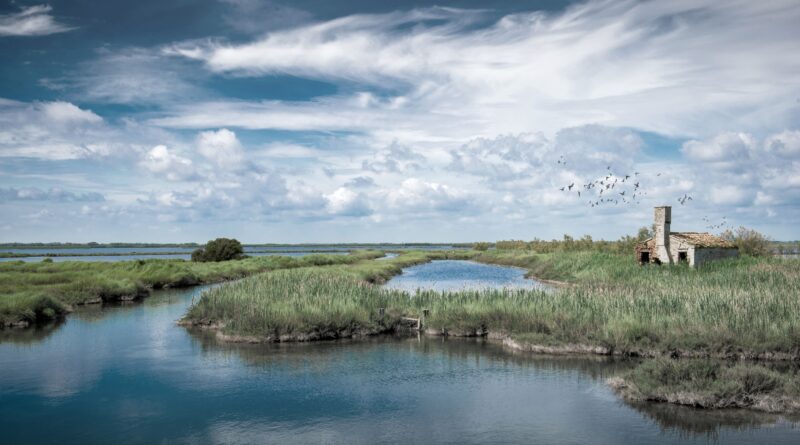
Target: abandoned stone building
x=694 y=248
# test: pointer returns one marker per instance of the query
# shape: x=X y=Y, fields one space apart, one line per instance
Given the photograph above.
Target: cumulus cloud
x=55 y=130
x=221 y=147
x=31 y=21
x=344 y=201
x=174 y=167
x=415 y=194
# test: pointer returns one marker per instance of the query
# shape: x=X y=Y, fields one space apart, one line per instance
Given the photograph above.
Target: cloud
x=723 y=148
x=346 y=202
x=221 y=147
x=31 y=21
x=129 y=76
x=415 y=194
x=161 y=161
x=596 y=62
x=65 y=112
x=55 y=130
x=261 y=16
x=54 y=194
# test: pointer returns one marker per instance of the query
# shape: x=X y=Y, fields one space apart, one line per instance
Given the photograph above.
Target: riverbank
x=34 y=292
x=739 y=309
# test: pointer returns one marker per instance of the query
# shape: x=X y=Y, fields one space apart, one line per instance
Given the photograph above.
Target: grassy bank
x=35 y=291
x=745 y=307
x=711 y=384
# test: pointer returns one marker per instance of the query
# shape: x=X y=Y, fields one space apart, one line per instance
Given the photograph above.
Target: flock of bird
x=609 y=189
x=624 y=189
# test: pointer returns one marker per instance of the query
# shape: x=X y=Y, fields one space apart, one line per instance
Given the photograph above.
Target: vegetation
x=743 y=306
x=624 y=245
x=42 y=290
x=712 y=384
x=220 y=249
x=749 y=241
x=481 y=246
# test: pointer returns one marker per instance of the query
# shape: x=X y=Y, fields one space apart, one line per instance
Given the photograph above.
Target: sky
x=395 y=121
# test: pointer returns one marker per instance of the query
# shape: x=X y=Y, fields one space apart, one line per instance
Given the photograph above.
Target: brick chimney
x=663 y=219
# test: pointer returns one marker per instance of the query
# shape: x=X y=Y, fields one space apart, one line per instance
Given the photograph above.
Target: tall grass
x=31 y=291
x=746 y=304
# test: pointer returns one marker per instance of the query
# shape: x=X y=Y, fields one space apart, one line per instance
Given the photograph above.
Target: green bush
x=482 y=247
x=749 y=241
x=220 y=249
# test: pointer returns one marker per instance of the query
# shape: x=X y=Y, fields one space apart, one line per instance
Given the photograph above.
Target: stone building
x=694 y=248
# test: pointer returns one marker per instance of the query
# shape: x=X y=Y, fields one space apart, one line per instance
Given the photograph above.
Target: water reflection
x=128 y=374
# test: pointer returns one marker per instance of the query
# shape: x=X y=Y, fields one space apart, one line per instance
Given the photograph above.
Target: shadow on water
x=32 y=335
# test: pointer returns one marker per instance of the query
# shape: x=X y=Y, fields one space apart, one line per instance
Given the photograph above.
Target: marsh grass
x=746 y=305
x=32 y=291
x=711 y=384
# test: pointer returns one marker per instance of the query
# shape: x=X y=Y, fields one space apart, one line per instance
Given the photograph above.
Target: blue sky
x=363 y=121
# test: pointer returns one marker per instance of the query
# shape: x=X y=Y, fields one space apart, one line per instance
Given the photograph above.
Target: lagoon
x=127 y=374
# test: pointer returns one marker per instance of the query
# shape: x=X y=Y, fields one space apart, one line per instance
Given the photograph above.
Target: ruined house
x=694 y=248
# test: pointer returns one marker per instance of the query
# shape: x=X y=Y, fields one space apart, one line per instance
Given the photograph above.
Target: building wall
x=702 y=256
x=678 y=245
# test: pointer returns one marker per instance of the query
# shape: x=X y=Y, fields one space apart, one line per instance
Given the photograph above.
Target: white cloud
x=221 y=147
x=723 y=148
x=344 y=201
x=31 y=21
x=67 y=113
x=174 y=167
x=598 y=62
x=415 y=194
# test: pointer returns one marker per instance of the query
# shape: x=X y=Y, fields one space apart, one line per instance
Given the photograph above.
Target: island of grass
x=742 y=309
x=35 y=292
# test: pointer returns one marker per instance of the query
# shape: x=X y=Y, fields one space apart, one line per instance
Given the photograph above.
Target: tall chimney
x=663 y=219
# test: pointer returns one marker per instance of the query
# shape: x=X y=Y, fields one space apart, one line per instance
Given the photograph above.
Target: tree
x=749 y=241
x=220 y=249
x=481 y=246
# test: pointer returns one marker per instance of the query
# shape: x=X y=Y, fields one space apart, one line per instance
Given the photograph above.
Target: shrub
x=220 y=249
x=481 y=246
x=47 y=260
x=748 y=241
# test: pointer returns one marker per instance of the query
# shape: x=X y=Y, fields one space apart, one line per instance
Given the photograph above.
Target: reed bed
x=745 y=305
x=42 y=290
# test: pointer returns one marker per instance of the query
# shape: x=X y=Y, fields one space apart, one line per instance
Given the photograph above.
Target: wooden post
x=381 y=311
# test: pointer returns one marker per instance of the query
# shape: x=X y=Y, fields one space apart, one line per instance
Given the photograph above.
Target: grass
x=711 y=384
x=745 y=306
x=43 y=290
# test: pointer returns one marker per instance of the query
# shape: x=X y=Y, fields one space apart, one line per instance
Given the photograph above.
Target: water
x=452 y=275
x=127 y=374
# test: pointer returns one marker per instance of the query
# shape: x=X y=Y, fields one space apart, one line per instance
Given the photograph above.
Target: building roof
x=703 y=239
x=697 y=239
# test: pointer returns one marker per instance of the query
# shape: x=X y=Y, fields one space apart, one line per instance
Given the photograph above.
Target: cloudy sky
x=357 y=120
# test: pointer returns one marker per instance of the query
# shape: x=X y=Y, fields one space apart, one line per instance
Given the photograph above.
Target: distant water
x=453 y=275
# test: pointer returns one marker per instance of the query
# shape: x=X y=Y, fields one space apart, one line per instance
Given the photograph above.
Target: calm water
x=127 y=374
x=451 y=275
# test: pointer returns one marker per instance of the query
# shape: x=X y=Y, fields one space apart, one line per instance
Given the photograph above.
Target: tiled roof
x=703 y=239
